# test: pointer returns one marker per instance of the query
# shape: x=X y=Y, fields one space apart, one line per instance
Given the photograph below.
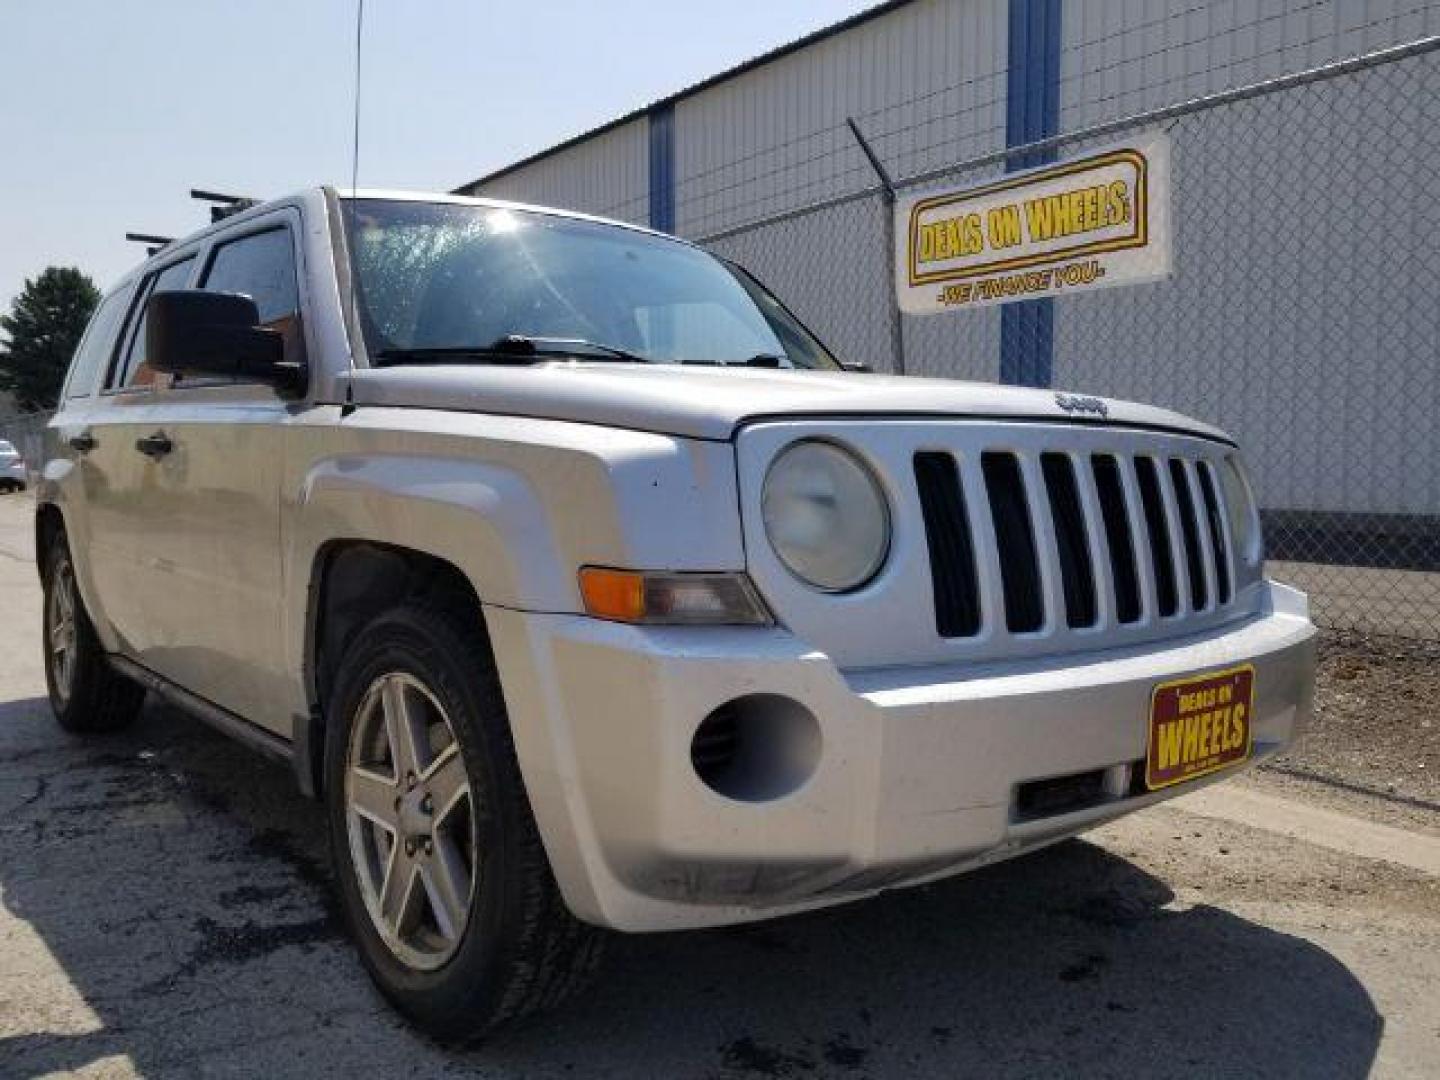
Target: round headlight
x=826 y=516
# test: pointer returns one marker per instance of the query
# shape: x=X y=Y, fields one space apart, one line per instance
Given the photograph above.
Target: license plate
x=1199 y=725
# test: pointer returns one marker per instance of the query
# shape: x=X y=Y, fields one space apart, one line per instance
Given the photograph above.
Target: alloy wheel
x=411 y=821
x=60 y=619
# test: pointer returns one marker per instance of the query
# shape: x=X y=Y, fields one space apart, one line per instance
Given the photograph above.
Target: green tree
x=41 y=333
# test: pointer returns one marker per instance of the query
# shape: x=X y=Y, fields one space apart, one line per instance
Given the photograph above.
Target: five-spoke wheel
x=60 y=622
x=440 y=870
x=410 y=821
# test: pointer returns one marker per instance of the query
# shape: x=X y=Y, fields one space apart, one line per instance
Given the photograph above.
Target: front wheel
x=442 y=877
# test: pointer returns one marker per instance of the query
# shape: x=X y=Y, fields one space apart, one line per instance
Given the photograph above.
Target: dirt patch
x=1376 y=725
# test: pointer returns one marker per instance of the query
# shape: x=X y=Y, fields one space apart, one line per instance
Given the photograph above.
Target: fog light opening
x=756 y=748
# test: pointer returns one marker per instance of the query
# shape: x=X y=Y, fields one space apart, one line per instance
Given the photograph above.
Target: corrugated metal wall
x=1243 y=233
x=607 y=175
x=1121 y=57
x=926 y=84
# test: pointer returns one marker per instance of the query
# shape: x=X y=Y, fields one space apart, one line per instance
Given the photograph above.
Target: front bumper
x=918 y=772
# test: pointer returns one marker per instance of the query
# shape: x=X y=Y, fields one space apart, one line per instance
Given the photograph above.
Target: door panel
x=212 y=550
x=112 y=481
x=112 y=475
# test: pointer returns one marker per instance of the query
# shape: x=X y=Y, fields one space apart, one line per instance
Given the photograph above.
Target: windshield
x=433 y=278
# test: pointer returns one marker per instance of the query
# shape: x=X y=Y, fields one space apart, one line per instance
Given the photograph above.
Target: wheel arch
x=352 y=581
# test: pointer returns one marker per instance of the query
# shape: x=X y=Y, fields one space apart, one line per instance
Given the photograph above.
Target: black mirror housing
x=195 y=332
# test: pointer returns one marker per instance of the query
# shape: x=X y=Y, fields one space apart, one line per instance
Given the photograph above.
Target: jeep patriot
x=587 y=590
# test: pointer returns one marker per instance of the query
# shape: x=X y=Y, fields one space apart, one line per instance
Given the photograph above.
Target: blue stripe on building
x=662 y=168
x=1032 y=112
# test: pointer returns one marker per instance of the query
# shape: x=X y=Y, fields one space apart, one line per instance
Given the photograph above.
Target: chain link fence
x=1303 y=313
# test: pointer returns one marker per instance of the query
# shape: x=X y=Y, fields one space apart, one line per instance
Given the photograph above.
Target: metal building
x=1302 y=313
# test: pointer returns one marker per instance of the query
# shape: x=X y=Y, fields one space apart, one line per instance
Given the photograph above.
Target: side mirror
x=194 y=332
x=856 y=367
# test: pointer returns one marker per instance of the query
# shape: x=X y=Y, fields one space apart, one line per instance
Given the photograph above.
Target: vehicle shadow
x=179 y=886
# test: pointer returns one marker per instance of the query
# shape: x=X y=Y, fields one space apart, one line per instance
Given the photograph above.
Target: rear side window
x=262 y=267
x=97 y=344
x=134 y=371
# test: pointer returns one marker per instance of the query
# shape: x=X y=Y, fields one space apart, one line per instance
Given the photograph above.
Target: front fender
x=517 y=509
x=486 y=520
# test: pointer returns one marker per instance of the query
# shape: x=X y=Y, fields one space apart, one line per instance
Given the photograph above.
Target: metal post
x=887 y=189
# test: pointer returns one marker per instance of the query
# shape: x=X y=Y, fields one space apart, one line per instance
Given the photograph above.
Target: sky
x=110 y=112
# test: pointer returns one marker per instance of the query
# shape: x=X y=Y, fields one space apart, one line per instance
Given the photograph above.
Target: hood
x=712 y=403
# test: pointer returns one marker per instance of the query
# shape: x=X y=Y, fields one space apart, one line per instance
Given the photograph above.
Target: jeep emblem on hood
x=1080 y=403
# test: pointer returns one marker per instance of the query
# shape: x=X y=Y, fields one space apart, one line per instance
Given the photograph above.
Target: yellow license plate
x=1199 y=725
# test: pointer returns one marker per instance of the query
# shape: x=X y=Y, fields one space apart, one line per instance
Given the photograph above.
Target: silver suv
x=588 y=590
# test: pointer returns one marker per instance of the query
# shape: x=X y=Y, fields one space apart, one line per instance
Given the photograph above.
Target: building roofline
x=814 y=38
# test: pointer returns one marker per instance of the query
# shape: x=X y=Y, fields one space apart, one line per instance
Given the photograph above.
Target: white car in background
x=13 y=476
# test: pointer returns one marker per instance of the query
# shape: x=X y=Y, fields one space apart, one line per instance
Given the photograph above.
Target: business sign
x=1097 y=221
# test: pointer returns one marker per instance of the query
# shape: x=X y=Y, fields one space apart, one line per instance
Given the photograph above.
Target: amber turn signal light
x=613 y=594
x=637 y=596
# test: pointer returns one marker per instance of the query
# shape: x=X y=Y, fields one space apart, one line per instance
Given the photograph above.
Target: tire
x=516 y=949
x=87 y=694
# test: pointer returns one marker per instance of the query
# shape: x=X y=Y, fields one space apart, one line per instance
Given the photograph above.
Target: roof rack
x=227 y=204
x=157 y=243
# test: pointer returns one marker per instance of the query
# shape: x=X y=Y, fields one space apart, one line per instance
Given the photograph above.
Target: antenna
x=355 y=157
x=355 y=134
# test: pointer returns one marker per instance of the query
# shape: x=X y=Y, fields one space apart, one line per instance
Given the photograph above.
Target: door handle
x=155 y=446
x=82 y=443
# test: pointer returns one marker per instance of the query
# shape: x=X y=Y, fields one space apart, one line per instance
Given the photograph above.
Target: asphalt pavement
x=165 y=911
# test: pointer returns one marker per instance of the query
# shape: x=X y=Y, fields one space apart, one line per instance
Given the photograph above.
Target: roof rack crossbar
x=228 y=204
x=217 y=197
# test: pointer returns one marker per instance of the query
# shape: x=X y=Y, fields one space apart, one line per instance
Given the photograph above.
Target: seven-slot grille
x=1129 y=537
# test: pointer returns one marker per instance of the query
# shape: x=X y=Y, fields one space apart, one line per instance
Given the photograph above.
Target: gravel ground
x=1376 y=731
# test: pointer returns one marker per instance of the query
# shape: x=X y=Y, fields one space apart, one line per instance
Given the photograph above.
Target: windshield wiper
x=579 y=348
x=767 y=360
x=453 y=354
x=510 y=349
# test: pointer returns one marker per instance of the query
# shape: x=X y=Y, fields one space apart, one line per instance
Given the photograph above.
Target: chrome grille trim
x=1042 y=528
x=1179 y=561
x=982 y=529
x=1139 y=537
